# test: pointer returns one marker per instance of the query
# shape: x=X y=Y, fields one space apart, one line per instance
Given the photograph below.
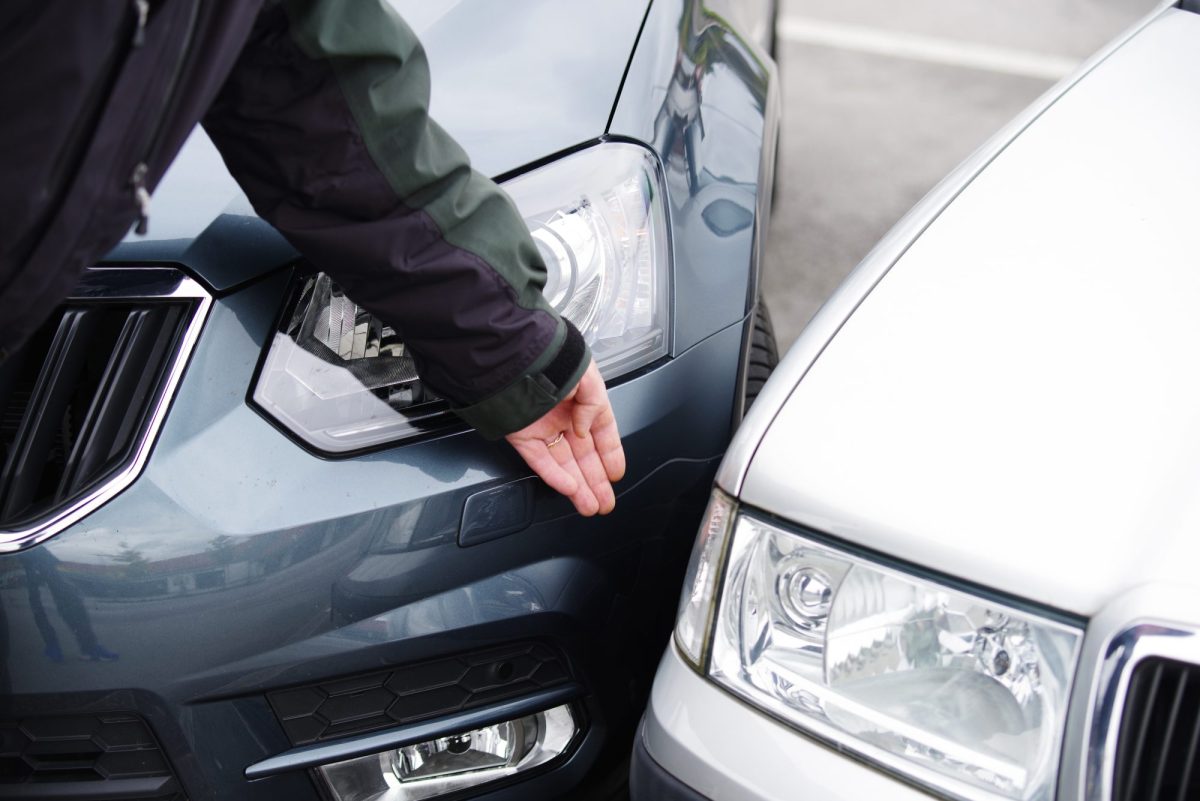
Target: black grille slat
x=160 y=342
x=1138 y=745
x=130 y=377
x=418 y=691
x=10 y=371
x=1160 y=733
x=1189 y=760
x=101 y=756
x=44 y=412
x=76 y=398
x=1168 y=737
x=1143 y=689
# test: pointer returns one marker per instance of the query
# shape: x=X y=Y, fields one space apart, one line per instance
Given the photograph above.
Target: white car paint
x=1004 y=391
x=744 y=755
x=1015 y=403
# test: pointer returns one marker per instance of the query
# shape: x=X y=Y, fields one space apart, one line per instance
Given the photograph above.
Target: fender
x=694 y=81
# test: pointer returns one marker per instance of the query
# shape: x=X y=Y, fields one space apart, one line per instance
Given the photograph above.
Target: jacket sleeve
x=324 y=123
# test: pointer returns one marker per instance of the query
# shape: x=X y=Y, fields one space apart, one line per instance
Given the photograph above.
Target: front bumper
x=650 y=781
x=240 y=564
x=718 y=748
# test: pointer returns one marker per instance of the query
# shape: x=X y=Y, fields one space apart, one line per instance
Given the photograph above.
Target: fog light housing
x=454 y=762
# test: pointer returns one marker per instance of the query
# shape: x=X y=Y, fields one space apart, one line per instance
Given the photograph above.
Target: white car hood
x=1017 y=403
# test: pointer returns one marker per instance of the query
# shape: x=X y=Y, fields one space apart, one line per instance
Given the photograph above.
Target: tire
x=764 y=353
x=773 y=45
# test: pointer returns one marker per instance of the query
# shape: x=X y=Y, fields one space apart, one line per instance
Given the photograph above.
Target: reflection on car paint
x=709 y=120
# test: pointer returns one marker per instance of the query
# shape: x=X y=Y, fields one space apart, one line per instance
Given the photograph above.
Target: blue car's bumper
x=240 y=564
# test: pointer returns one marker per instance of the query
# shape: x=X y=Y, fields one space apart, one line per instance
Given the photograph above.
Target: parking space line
x=935 y=50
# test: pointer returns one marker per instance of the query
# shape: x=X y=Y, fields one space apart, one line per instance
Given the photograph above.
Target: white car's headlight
x=957 y=691
x=342 y=380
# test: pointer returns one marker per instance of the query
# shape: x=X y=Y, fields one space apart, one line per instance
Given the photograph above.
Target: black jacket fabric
x=319 y=109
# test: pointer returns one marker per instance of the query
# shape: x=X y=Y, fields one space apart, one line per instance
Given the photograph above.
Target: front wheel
x=763 y=354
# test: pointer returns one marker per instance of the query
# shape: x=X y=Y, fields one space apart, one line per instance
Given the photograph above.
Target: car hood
x=1017 y=403
x=514 y=82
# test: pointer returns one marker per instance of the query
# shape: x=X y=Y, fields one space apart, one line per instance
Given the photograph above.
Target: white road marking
x=924 y=48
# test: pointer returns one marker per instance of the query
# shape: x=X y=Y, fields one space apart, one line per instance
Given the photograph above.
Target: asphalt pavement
x=882 y=99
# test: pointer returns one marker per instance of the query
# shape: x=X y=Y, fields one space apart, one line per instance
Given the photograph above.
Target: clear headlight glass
x=598 y=219
x=956 y=691
x=342 y=380
x=703 y=572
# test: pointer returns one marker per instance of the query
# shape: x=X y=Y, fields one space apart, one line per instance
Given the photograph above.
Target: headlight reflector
x=341 y=380
x=956 y=691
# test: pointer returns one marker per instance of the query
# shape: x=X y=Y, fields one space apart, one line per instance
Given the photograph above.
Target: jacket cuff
x=548 y=380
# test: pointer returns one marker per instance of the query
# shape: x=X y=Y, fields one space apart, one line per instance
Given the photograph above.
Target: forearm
x=324 y=123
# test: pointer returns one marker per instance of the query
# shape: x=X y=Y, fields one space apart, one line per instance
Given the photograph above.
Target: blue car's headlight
x=342 y=380
x=949 y=688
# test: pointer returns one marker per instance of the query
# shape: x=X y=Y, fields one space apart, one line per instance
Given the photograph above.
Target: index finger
x=592 y=469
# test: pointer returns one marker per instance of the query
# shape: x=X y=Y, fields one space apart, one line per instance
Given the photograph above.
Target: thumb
x=590 y=399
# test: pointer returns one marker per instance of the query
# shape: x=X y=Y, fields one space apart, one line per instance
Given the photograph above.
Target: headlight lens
x=342 y=380
x=598 y=219
x=703 y=573
x=953 y=690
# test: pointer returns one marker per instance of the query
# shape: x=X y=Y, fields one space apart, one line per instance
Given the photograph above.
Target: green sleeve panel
x=448 y=261
x=384 y=75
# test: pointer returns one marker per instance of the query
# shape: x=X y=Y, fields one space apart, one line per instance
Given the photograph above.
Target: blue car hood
x=513 y=82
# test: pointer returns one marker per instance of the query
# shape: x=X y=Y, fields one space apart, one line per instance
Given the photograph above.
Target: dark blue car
x=245 y=554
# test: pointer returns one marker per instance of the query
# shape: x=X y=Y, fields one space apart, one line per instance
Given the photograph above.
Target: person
x=41 y=567
x=319 y=110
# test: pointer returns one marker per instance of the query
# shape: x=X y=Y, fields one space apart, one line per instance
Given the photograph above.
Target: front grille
x=1159 y=740
x=416 y=692
x=83 y=757
x=76 y=400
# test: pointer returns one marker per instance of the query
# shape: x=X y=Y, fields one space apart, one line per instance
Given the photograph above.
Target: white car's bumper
x=698 y=741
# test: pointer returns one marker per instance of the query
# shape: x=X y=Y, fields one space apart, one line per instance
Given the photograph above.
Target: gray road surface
x=883 y=98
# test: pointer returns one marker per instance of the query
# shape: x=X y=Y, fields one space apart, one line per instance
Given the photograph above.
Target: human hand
x=576 y=448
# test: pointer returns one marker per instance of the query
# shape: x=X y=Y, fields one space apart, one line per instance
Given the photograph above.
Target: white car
x=953 y=550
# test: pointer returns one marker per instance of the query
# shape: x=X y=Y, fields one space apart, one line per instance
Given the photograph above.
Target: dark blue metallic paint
x=705 y=97
x=240 y=563
x=541 y=75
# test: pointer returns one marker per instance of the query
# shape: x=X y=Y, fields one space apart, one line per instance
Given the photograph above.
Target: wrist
x=544 y=384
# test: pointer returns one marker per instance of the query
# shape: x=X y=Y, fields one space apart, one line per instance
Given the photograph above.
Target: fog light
x=455 y=762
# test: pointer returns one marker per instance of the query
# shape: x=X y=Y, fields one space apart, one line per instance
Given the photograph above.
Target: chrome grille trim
x=125 y=283
x=1119 y=656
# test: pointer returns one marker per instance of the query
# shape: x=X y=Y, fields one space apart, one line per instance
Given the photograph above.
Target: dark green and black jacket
x=319 y=109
